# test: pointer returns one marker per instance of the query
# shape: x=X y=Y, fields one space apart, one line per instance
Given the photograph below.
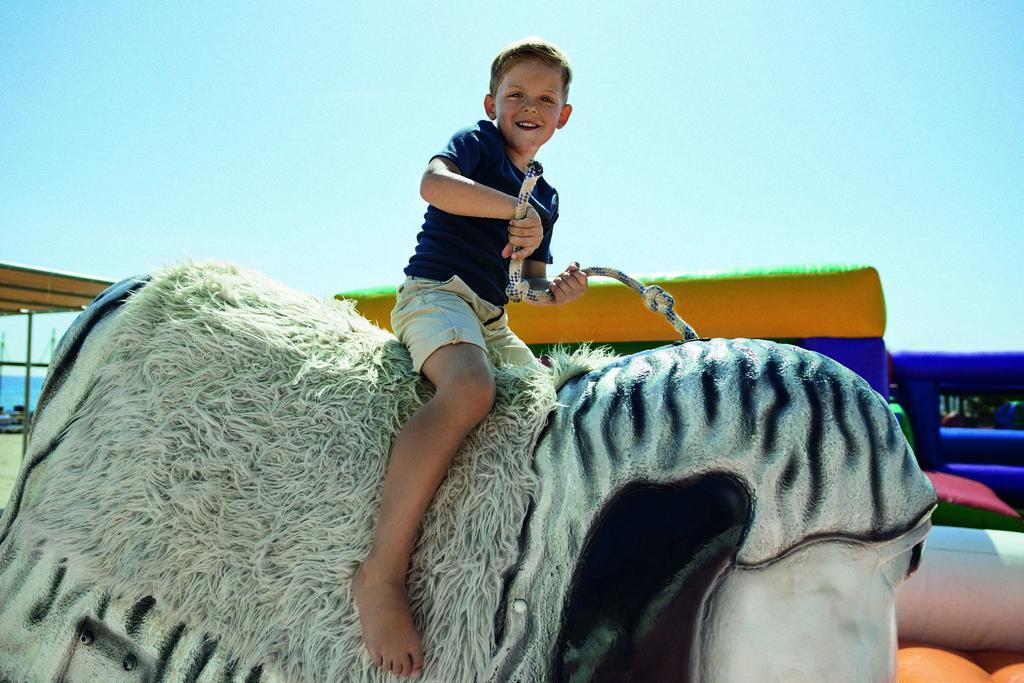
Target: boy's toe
x=417 y=664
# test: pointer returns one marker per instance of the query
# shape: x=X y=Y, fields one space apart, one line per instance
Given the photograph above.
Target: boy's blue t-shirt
x=471 y=247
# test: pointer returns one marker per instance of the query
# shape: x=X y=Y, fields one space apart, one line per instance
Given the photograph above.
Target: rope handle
x=517 y=288
x=655 y=298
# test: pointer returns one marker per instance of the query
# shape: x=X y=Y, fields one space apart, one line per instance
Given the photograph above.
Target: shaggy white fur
x=228 y=459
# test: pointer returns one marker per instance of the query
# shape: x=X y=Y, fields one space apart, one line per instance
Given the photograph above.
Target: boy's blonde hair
x=530 y=48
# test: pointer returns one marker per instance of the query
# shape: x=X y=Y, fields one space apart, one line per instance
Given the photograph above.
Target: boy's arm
x=444 y=186
x=567 y=286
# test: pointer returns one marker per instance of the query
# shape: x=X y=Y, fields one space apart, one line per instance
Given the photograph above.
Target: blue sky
x=290 y=138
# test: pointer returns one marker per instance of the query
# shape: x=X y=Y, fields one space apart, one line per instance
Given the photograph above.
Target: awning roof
x=27 y=288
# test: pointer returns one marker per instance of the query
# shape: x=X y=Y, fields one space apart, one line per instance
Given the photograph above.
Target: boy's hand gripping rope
x=655 y=298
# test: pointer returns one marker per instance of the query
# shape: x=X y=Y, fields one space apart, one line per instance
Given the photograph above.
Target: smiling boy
x=450 y=311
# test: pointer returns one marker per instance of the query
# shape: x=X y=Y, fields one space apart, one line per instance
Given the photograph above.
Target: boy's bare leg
x=419 y=461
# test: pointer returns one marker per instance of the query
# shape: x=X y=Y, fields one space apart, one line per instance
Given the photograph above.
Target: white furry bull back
x=226 y=459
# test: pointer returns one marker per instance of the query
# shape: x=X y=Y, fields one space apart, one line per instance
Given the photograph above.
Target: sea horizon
x=12 y=390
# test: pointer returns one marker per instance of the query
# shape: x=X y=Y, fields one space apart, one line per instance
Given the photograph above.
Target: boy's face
x=528 y=107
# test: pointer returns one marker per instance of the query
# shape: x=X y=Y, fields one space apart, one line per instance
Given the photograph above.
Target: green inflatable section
x=952 y=514
x=781 y=271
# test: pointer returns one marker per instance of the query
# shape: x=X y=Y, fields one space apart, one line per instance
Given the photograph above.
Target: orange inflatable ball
x=1005 y=667
x=923 y=664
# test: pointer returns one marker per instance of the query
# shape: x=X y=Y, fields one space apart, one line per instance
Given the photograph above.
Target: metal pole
x=3 y=350
x=28 y=385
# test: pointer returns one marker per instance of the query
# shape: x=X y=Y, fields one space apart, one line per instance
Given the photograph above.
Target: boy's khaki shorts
x=429 y=314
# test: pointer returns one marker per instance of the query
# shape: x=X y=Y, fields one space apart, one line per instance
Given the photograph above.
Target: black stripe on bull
x=815 y=440
x=45 y=603
x=781 y=402
x=166 y=649
x=200 y=658
x=136 y=615
x=71 y=343
x=866 y=403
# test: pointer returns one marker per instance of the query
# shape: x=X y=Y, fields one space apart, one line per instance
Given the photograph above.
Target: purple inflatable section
x=864 y=355
x=997 y=369
x=996 y=457
x=992 y=446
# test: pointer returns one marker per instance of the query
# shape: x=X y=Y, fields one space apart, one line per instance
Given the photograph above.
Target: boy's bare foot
x=388 y=629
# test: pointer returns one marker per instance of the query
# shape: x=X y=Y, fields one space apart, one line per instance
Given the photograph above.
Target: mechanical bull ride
x=204 y=471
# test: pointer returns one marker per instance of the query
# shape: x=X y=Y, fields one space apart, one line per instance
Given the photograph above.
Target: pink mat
x=953 y=489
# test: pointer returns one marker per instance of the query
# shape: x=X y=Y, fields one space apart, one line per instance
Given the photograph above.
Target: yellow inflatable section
x=815 y=301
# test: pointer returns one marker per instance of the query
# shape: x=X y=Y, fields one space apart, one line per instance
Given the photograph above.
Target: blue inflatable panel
x=1007 y=481
x=865 y=356
x=1010 y=415
x=996 y=369
x=982 y=446
x=922 y=376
